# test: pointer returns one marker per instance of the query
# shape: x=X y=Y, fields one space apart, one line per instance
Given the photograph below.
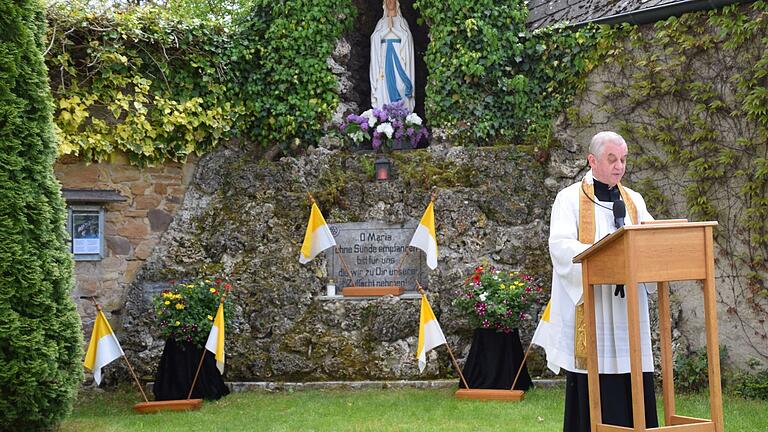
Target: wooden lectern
x=658 y=252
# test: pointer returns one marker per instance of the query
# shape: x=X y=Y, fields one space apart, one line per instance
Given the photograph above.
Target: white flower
x=385 y=128
x=483 y=296
x=358 y=136
x=413 y=118
x=371 y=118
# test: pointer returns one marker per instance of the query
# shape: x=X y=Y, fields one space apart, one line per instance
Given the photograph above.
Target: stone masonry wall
x=132 y=228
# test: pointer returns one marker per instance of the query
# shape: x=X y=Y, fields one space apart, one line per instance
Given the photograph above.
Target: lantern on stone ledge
x=383 y=169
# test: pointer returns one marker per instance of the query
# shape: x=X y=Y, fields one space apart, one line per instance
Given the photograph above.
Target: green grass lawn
x=369 y=410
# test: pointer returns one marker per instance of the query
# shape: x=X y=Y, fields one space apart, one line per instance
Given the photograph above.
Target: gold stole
x=587 y=236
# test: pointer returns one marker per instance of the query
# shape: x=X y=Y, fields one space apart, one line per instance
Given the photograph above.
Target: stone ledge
x=406 y=296
x=238 y=387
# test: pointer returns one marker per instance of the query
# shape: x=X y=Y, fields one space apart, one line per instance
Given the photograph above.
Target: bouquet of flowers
x=185 y=312
x=497 y=299
x=390 y=127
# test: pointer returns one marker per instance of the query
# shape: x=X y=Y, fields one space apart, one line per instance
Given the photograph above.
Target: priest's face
x=609 y=165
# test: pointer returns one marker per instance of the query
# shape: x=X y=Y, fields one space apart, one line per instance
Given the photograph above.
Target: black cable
x=595 y=202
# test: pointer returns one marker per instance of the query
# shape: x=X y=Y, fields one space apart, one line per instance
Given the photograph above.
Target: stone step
x=244 y=386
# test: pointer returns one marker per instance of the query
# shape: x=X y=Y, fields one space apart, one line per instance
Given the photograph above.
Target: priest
x=581 y=215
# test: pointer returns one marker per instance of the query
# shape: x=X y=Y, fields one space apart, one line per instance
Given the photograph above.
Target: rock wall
x=248 y=217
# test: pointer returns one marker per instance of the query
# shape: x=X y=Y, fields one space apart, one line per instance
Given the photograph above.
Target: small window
x=86 y=231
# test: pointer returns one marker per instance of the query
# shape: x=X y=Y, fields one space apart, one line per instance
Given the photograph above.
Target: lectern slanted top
x=659 y=252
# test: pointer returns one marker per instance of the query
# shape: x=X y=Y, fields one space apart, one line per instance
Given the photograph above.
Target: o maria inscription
x=372 y=251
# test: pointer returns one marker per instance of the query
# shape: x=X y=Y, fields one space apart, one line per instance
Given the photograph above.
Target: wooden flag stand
x=187 y=404
x=676 y=250
x=496 y=394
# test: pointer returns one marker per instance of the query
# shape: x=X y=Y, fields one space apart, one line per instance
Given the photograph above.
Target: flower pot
x=493 y=361
x=176 y=371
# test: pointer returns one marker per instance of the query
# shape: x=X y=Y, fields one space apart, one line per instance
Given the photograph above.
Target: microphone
x=619 y=213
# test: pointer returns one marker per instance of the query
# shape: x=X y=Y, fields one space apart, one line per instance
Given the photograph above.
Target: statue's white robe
x=610 y=310
x=400 y=30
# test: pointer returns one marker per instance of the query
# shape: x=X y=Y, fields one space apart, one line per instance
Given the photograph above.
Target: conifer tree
x=40 y=330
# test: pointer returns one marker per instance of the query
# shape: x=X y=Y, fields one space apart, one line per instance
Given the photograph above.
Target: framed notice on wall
x=86 y=228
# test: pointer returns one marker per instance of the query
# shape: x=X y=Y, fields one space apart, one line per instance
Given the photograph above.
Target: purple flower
x=486 y=324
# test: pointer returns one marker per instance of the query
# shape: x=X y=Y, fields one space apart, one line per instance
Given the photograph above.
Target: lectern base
x=372 y=291
x=490 y=394
x=683 y=424
x=168 y=405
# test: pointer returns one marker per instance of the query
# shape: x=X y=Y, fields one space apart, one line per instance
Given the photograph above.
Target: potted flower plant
x=498 y=300
x=496 y=304
x=391 y=127
x=185 y=313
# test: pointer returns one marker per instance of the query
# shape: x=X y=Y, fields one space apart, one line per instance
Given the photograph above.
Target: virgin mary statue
x=391 y=70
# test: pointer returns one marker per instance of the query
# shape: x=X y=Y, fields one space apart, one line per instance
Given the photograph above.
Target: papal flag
x=215 y=343
x=546 y=335
x=424 y=238
x=430 y=333
x=317 y=238
x=103 y=347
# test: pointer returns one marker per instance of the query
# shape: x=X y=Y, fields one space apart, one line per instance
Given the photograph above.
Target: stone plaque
x=372 y=251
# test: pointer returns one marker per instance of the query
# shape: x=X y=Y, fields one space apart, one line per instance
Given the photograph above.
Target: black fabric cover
x=493 y=361
x=615 y=401
x=177 y=370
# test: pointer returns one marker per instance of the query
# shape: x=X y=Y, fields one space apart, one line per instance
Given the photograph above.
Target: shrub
x=40 y=330
x=691 y=372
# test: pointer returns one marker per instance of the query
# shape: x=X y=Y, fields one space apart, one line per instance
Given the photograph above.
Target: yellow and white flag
x=317 y=238
x=430 y=333
x=424 y=238
x=103 y=347
x=215 y=343
x=546 y=336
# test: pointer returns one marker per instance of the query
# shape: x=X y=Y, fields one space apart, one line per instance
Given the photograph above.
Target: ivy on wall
x=282 y=78
x=695 y=90
x=159 y=87
x=492 y=81
x=138 y=82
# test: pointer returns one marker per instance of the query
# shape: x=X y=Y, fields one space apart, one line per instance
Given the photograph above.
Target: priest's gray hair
x=601 y=138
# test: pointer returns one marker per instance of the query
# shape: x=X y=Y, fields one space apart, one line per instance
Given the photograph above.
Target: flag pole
x=336 y=249
x=525 y=357
x=408 y=249
x=202 y=357
x=520 y=369
x=455 y=363
x=133 y=374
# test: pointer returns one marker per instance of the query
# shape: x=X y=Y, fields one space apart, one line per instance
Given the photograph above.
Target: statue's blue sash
x=391 y=65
